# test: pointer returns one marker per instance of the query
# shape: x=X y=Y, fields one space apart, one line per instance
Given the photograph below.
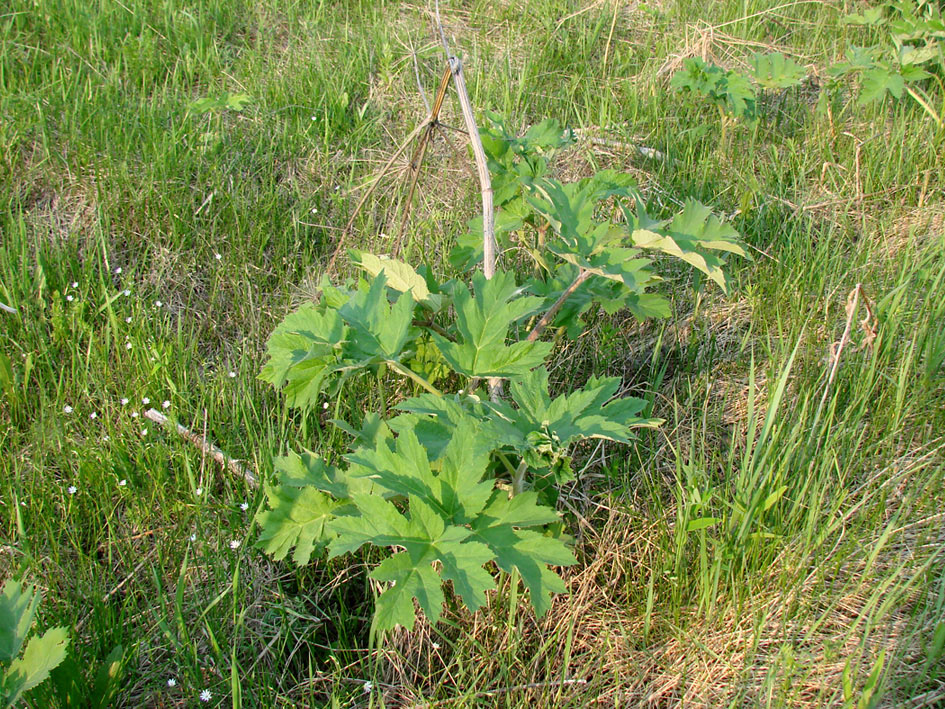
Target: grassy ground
x=150 y=248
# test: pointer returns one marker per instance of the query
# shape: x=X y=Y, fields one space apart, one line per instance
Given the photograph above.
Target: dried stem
x=208 y=448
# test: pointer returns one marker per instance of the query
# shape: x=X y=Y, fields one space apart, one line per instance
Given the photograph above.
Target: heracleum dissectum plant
x=452 y=480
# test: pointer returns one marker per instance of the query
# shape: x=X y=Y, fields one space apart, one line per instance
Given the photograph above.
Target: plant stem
x=553 y=310
x=518 y=480
x=407 y=372
x=381 y=389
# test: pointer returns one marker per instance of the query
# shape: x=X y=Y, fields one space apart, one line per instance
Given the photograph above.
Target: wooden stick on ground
x=208 y=448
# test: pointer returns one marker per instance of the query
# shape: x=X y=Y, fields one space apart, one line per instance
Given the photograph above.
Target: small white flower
x=75 y=284
x=205 y=695
x=122 y=482
x=198 y=491
x=126 y=292
x=165 y=404
x=235 y=544
x=93 y=415
x=67 y=409
x=435 y=646
x=231 y=375
x=118 y=271
x=325 y=406
x=124 y=400
x=217 y=256
x=172 y=682
x=105 y=439
x=127 y=345
x=460 y=392
x=337 y=187
x=368 y=686
x=144 y=432
x=128 y=319
x=69 y=298
x=72 y=489
x=145 y=401
x=193 y=537
x=314 y=210
x=158 y=303
x=134 y=414
x=314 y=118
x=244 y=506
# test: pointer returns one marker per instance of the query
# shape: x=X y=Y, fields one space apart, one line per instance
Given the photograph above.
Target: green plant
x=19 y=674
x=734 y=93
x=914 y=52
x=457 y=481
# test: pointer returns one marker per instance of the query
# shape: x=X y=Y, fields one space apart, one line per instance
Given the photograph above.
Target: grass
x=819 y=584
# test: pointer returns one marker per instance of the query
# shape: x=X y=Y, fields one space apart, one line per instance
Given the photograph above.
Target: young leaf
x=18 y=606
x=691 y=236
x=378 y=330
x=879 y=80
x=775 y=71
x=482 y=322
x=42 y=655
x=297 y=517
x=400 y=276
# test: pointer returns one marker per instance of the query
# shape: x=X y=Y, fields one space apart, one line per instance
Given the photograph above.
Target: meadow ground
x=150 y=242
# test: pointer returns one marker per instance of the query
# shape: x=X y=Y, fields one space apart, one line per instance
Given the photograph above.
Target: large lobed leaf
x=453 y=518
x=483 y=319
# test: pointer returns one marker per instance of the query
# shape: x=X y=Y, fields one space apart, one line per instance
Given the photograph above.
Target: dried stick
x=416 y=161
x=208 y=448
x=367 y=195
x=852 y=302
x=482 y=168
x=553 y=310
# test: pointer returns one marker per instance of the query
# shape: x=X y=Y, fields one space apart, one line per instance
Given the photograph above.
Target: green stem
x=518 y=479
x=407 y=372
x=382 y=390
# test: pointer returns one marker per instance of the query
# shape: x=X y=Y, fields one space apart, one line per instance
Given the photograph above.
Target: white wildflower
x=244 y=506
x=198 y=491
x=69 y=298
x=231 y=375
x=368 y=686
x=172 y=682
x=75 y=284
x=118 y=271
x=145 y=401
x=67 y=409
x=124 y=400
x=93 y=415
x=206 y=695
x=122 y=482
x=127 y=345
x=72 y=489
x=165 y=404
x=235 y=544
x=158 y=303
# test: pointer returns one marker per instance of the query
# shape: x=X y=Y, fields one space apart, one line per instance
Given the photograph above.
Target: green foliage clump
x=456 y=482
